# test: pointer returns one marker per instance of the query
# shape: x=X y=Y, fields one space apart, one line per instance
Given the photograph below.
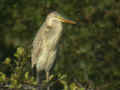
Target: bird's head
x=55 y=18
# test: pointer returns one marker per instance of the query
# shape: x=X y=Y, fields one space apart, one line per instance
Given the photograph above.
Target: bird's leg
x=38 y=80
x=38 y=77
x=47 y=78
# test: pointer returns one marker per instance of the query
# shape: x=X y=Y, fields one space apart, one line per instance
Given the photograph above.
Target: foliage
x=19 y=68
x=88 y=51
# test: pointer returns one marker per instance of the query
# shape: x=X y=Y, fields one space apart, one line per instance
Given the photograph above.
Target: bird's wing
x=37 y=46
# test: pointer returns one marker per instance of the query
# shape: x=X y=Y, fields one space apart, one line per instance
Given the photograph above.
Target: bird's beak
x=66 y=20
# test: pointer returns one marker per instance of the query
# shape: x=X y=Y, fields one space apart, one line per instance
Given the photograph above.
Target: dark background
x=89 y=52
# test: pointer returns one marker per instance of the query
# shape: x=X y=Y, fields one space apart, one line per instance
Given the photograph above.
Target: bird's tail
x=32 y=65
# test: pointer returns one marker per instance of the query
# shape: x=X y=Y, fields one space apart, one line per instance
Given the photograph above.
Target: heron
x=45 y=43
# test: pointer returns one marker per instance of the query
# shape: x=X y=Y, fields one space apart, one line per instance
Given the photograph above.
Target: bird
x=44 y=47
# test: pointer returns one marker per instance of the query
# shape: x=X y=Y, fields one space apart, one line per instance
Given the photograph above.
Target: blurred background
x=89 y=52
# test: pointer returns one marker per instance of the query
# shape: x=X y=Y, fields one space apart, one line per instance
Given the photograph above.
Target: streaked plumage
x=45 y=42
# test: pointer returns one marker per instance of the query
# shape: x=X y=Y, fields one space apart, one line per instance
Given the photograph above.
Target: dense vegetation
x=89 y=52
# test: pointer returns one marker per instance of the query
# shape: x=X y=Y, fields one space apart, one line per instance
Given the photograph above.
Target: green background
x=89 y=52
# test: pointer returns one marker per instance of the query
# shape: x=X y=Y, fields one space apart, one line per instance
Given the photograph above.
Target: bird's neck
x=58 y=27
x=52 y=32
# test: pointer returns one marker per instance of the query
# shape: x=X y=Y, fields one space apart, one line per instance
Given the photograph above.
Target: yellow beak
x=66 y=20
